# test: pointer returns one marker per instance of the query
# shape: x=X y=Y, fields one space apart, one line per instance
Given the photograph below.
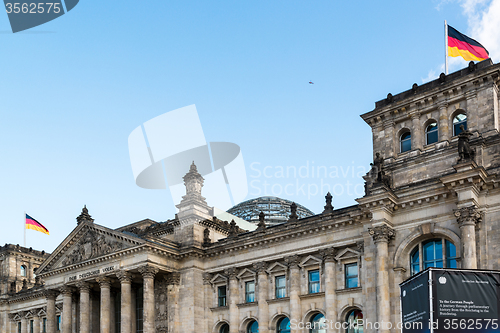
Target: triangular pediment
x=277 y=267
x=310 y=261
x=86 y=242
x=246 y=273
x=218 y=278
x=347 y=253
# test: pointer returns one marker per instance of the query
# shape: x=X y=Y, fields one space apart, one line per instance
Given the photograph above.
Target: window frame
x=349 y=277
x=278 y=324
x=404 y=141
x=248 y=293
x=23 y=271
x=280 y=288
x=310 y=283
x=219 y=297
x=456 y=125
x=427 y=133
x=348 y=314
x=419 y=248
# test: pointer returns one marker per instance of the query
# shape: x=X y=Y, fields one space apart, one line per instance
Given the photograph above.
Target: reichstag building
x=432 y=199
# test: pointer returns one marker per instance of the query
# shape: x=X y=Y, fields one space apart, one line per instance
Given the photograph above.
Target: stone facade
x=195 y=273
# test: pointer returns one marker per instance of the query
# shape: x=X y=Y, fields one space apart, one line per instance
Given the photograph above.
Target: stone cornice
x=320 y=294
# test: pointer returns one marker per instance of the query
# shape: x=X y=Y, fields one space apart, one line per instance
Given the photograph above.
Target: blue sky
x=72 y=90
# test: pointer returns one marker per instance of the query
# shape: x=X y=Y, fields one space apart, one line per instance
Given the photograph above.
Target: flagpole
x=24 y=227
x=446 y=48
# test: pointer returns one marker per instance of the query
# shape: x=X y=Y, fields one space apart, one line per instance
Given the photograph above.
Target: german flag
x=31 y=223
x=459 y=45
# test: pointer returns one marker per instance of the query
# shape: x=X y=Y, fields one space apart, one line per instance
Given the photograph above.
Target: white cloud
x=484 y=24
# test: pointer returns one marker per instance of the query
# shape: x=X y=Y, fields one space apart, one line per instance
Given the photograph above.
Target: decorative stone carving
x=231 y=272
x=104 y=282
x=262 y=222
x=465 y=152
x=91 y=245
x=38 y=281
x=66 y=290
x=293 y=212
x=260 y=266
x=468 y=216
x=360 y=246
x=50 y=294
x=83 y=286
x=328 y=206
x=173 y=278
x=25 y=285
x=84 y=216
x=193 y=181
x=382 y=233
x=233 y=229
x=206 y=237
x=328 y=254
x=124 y=276
x=148 y=271
x=161 y=314
x=292 y=261
x=207 y=277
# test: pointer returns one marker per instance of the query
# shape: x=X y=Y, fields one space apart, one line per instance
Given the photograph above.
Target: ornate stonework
x=173 y=279
x=328 y=206
x=91 y=245
x=207 y=277
x=148 y=271
x=104 y=282
x=231 y=272
x=382 y=233
x=84 y=216
x=328 y=254
x=468 y=216
x=260 y=266
x=292 y=261
x=83 y=286
x=124 y=276
x=161 y=314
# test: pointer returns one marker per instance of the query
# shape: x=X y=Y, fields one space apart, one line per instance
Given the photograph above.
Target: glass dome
x=276 y=210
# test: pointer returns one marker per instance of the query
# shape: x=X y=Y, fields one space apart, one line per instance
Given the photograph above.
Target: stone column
x=444 y=123
x=295 y=309
x=387 y=148
x=51 y=295
x=263 y=284
x=207 y=277
x=381 y=236
x=148 y=274
x=105 y=284
x=467 y=218
x=24 y=325
x=84 y=288
x=173 y=282
x=36 y=324
x=233 y=300
x=67 y=293
x=126 y=301
x=416 y=133
x=330 y=287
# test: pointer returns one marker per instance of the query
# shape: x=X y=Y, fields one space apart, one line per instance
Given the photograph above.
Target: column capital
x=231 y=272
x=328 y=254
x=148 y=271
x=104 y=282
x=260 y=267
x=468 y=216
x=173 y=278
x=124 y=276
x=382 y=233
x=66 y=290
x=292 y=261
x=83 y=286
x=50 y=294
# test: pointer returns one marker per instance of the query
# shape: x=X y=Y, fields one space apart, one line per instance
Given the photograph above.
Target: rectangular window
x=58 y=323
x=280 y=286
x=221 y=292
x=19 y=327
x=351 y=275
x=314 y=281
x=139 y=314
x=250 y=292
x=44 y=325
x=31 y=327
x=118 y=312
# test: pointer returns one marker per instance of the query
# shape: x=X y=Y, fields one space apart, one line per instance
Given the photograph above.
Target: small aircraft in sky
x=310 y=82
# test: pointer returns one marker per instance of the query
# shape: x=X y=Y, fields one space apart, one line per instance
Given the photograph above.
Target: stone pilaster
x=24 y=325
x=105 y=284
x=467 y=217
x=381 y=236
x=126 y=301
x=84 y=288
x=67 y=315
x=51 y=295
x=443 y=124
x=416 y=133
x=330 y=286
x=173 y=284
x=233 y=300
x=263 y=284
x=148 y=274
x=36 y=324
x=207 y=277
x=295 y=309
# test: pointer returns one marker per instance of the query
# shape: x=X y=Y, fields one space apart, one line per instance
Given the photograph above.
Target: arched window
x=458 y=120
x=224 y=328
x=354 y=320
x=283 y=325
x=23 y=270
x=431 y=133
x=435 y=253
x=405 y=141
x=253 y=327
x=318 y=324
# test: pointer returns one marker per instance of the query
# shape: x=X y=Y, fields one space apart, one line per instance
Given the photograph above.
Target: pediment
x=310 y=261
x=246 y=273
x=218 y=278
x=88 y=241
x=347 y=253
x=277 y=267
